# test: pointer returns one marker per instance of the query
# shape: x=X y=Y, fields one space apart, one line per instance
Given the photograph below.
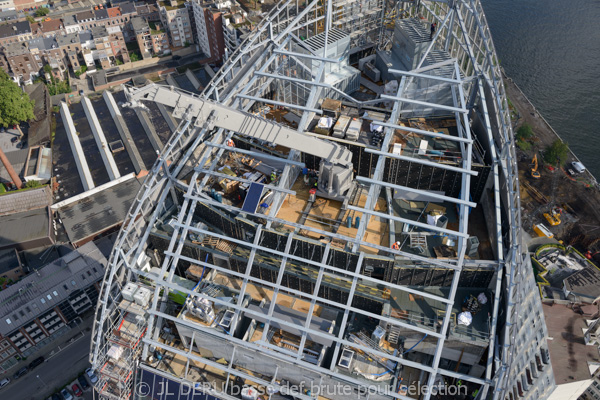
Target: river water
x=551 y=48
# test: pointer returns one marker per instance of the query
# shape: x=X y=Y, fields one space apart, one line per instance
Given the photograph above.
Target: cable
x=415 y=345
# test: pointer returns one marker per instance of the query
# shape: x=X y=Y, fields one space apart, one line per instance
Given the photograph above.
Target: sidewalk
x=54 y=347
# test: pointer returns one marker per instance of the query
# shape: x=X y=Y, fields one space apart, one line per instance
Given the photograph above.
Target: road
x=53 y=374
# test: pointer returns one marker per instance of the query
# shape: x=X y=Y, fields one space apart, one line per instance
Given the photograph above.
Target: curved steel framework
x=275 y=67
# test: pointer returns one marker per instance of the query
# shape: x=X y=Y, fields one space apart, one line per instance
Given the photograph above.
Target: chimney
x=11 y=170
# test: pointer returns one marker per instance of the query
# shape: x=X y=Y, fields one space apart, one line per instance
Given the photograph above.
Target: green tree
x=134 y=57
x=30 y=19
x=557 y=153
x=15 y=105
x=47 y=68
x=40 y=12
x=524 y=132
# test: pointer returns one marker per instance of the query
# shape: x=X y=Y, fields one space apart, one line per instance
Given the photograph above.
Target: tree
x=15 y=105
x=30 y=19
x=134 y=57
x=524 y=132
x=557 y=153
x=40 y=12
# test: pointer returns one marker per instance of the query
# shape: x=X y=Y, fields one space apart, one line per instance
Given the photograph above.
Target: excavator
x=335 y=171
x=534 y=168
x=553 y=217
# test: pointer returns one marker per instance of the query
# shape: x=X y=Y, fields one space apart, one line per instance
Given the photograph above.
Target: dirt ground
x=578 y=197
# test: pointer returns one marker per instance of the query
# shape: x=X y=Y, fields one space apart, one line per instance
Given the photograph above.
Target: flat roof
x=45 y=289
x=99 y=211
x=585 y=282
x=24 y=226
x=569 y=354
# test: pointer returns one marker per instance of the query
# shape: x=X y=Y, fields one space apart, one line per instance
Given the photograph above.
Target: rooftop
x=49 y=286
x=25 y=200
x=569 y=354
x=68 y=39
x=584 y=283
x=86 y=216
x=15 y=28
x=9 y=260
x=23 y=227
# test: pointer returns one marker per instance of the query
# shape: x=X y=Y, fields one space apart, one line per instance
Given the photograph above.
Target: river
x=551 y=48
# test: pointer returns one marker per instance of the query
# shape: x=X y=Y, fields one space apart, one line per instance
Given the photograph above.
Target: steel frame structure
x=192 y=154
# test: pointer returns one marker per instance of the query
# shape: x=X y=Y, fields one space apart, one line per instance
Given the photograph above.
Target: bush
x=2 y=188
x=557 y=153
x=32 y=184
x=523 y=145
x=524 y=132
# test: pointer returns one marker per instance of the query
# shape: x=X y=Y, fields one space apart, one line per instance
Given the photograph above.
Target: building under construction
x=336 y=216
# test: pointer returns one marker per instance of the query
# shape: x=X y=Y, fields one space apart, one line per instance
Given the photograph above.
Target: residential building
x=100 y=16
x=48 y=28
x=46 y=49
x=15 y=32
x=24 y=66
x=148 y=11
x=176 y=19
x=150 y=36
x=110 y=47
x=209 y=25
x=86 y=19
x=71 y=48
x=70 y=23
x=39 y=307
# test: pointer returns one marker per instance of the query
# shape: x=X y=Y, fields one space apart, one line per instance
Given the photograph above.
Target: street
x=55 y=373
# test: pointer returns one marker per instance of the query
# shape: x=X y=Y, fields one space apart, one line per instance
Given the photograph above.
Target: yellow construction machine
x=553 y=217
x=534 y=168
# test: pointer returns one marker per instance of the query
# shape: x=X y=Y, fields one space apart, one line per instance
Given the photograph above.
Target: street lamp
x=43 y=383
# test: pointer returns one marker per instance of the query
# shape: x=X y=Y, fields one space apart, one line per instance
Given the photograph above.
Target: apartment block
x=175 y=17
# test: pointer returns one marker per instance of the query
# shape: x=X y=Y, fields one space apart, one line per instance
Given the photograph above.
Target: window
x=73 y=283
x=55 y=293
x=89 y=273
x=8 y=321
x=43 y=301
x=65 y=287
x=49 y=297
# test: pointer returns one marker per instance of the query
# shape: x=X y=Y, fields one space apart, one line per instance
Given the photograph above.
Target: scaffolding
x=302 y=273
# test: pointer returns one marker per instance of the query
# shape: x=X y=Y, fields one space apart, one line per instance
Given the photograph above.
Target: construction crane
x=534 y=168
x=335 y=171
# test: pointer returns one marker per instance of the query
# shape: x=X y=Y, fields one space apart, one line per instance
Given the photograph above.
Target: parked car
x=4 y=382
x=76 y=390
x=83 y=382
x=91 y=375
x=65 y=393
x=36 y=362
x=20 y=372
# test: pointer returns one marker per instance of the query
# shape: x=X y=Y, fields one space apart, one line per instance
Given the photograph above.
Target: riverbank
x=578 y=197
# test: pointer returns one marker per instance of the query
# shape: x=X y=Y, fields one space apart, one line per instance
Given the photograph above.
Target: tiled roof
x=15 y=28
x=32 y=199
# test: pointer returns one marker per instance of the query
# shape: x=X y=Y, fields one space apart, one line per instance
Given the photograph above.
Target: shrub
x=523 y=145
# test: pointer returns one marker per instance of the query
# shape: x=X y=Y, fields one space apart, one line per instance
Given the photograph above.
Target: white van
x=578 y=167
